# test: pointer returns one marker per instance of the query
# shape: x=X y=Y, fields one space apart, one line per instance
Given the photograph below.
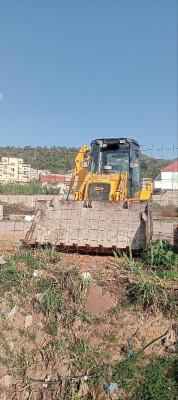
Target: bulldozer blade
x=97 y=226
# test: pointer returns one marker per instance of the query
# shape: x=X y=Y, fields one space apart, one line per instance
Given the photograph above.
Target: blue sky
x=75 y=70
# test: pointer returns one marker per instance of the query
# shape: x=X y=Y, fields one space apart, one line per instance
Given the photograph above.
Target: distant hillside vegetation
x=62 y=159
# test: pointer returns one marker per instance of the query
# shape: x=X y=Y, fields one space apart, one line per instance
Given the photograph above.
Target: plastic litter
x=12 y=312
x=107 y=386
x=86 y=276
x=37 y=273
x=29 y=218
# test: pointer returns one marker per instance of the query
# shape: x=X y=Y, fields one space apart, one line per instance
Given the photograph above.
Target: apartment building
x=14 y=170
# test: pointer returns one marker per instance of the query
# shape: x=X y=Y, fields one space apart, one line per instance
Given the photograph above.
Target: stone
x=26 y=395
x=6 y=381
x=28 y=321
x=4 y=396
x=175 y=329
x=94 y=267
x=12 y=312
x=63 y=367
x=2 y=262
x=116 y=394
x=98 y=301
x=130 y=345
x=11 y=345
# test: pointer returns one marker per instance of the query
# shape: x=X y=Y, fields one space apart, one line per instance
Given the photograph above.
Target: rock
x=175 y=329
x=2 y=262
x=98 y=301
x=131 y=343
x=4 y=396
x=112 y=389
x=171 y=349
x=83 y=390
x=63 y=367
x=94 y=267
x=117 y=394
x=12 y=312
x=6 y=381
x=40 y=325
x=11 y=345
x=99 y=393
x=26 y=395
x=28 y=321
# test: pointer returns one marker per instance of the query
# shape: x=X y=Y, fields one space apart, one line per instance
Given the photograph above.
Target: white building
x=14 y=170
x=167 y=179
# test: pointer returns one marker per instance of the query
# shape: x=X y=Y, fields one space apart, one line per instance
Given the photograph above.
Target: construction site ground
x=65 y=316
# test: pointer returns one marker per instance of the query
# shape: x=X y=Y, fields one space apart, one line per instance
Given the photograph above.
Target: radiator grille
x=98 y=191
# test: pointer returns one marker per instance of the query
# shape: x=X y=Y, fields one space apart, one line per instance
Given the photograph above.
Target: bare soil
x=110 y=332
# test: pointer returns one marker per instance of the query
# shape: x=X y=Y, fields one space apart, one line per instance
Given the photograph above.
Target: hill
x=62 y=159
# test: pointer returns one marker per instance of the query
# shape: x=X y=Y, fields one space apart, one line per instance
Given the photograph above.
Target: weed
x=51 y=327
x=22 y=332
x=125 y=304
x=54 y=348
x=49 y=254
x=7 y=327
x=110 y=337
x=32 y=336
x=15 y=208
x=112 y=311
x=91 y=319
x=84 y=355
x=52 y=301
x=149 y=289
x=9 y=278
x=24 y=360
x=153 y=381
x=158 y=381
x=163 y=259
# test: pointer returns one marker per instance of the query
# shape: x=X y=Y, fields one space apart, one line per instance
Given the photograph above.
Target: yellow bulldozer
x=109 y=210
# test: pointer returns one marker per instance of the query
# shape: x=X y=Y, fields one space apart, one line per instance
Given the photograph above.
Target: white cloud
x=1 y=96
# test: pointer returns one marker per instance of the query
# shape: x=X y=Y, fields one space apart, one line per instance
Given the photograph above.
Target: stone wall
x=171 y=197
x=28 y=200
x=1 y=211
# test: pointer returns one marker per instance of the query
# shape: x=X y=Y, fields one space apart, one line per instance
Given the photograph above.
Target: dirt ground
x=111 y=332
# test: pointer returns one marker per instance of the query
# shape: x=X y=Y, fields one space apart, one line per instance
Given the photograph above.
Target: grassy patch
x=84 y=356
x=162 y=259
x=149 y=275
x=15 y=208
x=141 y=378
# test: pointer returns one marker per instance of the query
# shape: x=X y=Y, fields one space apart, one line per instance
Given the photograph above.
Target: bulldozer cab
x=114 y=156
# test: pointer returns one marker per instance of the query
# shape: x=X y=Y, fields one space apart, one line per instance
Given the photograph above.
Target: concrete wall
x=28 y=200
x=1 y=211
x=171 y=197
